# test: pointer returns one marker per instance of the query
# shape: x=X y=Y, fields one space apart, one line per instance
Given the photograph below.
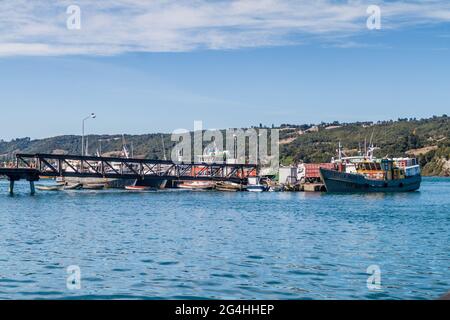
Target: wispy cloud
x=111 y=27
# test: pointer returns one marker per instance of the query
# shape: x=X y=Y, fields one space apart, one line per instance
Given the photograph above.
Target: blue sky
x=229 y=64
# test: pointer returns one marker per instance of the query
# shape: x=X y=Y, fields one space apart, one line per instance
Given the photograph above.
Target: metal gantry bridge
x=32 y=167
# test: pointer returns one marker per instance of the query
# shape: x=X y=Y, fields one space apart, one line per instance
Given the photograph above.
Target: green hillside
x=428 y=139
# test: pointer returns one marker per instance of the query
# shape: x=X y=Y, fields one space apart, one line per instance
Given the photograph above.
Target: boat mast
x=164 y=147
x=124 y=147
x=340 y=151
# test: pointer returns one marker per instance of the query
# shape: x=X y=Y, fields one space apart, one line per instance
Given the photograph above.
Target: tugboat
x=367 y=174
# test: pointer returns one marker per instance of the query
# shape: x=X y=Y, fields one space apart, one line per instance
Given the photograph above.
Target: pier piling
x=32 y=188
x=11 y=186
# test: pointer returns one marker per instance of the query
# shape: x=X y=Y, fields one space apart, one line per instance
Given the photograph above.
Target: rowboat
x=49 y=188
x=76 y=186
x=228 y=186
x=197 y=185
x=93 y=186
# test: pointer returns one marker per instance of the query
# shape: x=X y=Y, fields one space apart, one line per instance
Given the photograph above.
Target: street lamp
x=91 y=116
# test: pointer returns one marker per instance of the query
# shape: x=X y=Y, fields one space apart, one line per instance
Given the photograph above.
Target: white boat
x=137 y=188
x=254 y=185
x=50 y=188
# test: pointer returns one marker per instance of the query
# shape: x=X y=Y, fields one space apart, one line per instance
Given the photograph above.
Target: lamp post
x=91 y=116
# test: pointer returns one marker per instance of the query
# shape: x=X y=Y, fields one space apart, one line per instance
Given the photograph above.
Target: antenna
x=371 y=138
x=340 y=151
x=365 y=146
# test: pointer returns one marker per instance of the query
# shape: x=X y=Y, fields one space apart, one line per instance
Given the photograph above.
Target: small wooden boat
x=76 y=186
x=137 y=188
x=93 y=186
x=197 y=185
x=50 y=188
x=227 y=186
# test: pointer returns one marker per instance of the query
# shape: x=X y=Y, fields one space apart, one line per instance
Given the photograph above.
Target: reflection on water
x=189 y=245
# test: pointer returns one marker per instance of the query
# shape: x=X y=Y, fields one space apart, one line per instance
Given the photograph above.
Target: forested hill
x=428 y=139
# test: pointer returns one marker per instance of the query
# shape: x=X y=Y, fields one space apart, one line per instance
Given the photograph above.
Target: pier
x=32 y=167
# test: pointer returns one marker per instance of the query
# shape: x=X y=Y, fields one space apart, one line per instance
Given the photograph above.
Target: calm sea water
x=189 y=245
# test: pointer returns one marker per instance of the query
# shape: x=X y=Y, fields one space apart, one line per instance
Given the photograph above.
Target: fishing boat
x=196 y=185
x=254 y=185
x=368 y=174
x=228 y=186
x=391 y=180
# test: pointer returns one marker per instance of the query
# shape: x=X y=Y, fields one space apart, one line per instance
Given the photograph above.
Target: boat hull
x=49 y=188
x=256 y=188
x=228 y=187
x=108 y=183
x=137 y=188
x=93 y=186
x=336 y=181
x=156 y=183
x=153 y=183
x=196 y=185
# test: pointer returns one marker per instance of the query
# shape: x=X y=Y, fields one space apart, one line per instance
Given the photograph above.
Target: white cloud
x=38 y=27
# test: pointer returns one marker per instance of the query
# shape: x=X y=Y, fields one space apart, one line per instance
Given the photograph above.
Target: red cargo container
x=312 y=169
